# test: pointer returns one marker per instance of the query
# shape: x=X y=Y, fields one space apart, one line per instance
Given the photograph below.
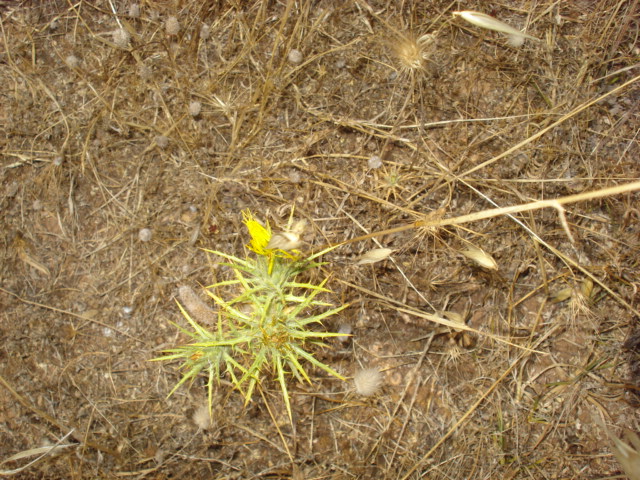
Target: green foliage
x=265 y=327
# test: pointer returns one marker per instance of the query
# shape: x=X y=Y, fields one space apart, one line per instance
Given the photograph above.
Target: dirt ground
x=134 y=134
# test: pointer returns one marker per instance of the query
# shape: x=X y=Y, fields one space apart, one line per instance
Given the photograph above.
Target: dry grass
x=387 y=125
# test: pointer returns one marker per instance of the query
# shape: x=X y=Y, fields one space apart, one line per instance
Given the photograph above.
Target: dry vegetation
x=134 y=136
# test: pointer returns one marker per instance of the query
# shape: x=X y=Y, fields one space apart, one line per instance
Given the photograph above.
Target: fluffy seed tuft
x=205 y=31
x=202 y=419
x=195 y=108
x=367 y=381
x=374 y=162
x=172 y=26
x=72 y=61
x=134 y=10
x=162 y=141
x=145 y=235
x=295 y=57
x=121 y=38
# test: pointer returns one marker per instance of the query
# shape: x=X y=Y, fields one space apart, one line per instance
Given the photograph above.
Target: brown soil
x=372 y=126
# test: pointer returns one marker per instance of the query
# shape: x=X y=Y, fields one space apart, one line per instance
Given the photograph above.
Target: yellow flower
x=260 y=235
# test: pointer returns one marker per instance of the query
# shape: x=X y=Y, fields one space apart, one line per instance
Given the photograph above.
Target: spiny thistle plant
x=265 y=328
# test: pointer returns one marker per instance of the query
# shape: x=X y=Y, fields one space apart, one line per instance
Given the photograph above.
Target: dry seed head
x=134 y=10
x=375 y=255
x=374 y=162
x=284 y=241
x=205 y=31
x=198 y=309
x=144 y=71
x=172 y=26
x=295 y=57
x=121 y=38
x=515 y=37
x=162 y=141
x=412 y=52
x=195 y=108
x=481 y=257
x=202 y=419
x=345 y=330
x=145 y=235
x=72 y=61
x=367 y=381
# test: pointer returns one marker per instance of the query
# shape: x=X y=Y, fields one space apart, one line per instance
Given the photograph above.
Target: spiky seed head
x=412 y=52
